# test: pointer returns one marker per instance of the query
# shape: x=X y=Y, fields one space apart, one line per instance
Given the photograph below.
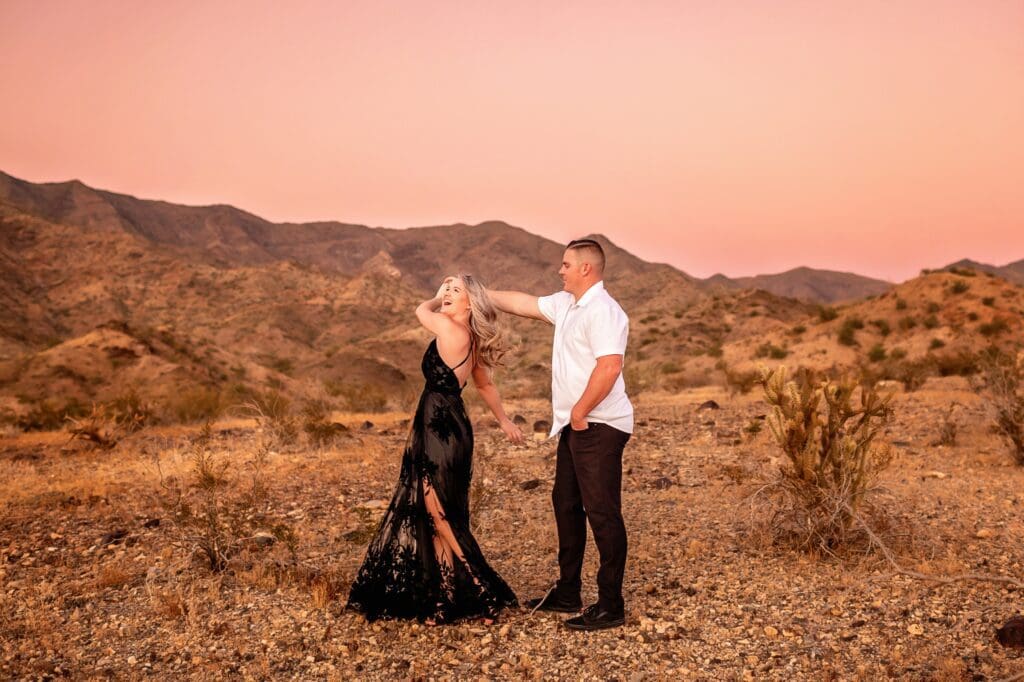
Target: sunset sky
x=718 y=136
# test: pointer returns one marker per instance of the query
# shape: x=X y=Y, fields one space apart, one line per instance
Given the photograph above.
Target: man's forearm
x=600 y=384
x=516 y=303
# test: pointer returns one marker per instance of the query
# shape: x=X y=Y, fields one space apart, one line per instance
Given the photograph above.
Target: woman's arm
x=489 y=392
x=426 y=313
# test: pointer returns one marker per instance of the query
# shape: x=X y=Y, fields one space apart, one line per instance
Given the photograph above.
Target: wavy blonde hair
x=489 y=342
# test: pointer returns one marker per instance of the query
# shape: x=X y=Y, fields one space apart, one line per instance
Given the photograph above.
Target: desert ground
x=99 y=581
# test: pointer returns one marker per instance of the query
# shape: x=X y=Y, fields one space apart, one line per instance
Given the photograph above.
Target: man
x=594 y=420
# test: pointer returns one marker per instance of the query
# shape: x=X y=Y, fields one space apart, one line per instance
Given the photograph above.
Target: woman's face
x=454 y=297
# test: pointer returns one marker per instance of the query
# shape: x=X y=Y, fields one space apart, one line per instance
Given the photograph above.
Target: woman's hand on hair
x=512 y=431
x=441 y=289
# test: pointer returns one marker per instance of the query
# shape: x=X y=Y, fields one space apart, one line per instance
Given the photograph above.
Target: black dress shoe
x=553 y=601
x=596 y=618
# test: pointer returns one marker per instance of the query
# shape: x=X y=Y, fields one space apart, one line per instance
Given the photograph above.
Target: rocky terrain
x=97 y=581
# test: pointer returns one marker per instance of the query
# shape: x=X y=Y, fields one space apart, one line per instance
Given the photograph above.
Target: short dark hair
x=592 y=248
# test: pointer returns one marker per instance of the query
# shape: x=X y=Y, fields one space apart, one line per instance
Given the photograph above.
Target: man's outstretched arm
x=516 y=303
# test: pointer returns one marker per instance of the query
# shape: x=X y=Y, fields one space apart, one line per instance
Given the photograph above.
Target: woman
x=424 y=562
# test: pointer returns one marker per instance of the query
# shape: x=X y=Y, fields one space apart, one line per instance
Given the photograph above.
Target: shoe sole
x=602 y=626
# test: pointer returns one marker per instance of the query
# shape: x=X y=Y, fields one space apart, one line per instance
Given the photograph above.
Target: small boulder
x=532 y=484
x=541 y=426
x=113 y=537
x=519 y=420
x=1012 y=633
x=709 y=405
x=662 y=483
x=367 y=425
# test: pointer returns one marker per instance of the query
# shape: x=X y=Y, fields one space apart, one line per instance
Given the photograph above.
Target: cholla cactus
x=1004 y=379
x=828 y=438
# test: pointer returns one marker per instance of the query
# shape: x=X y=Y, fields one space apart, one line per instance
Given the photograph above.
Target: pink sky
x=739 y=137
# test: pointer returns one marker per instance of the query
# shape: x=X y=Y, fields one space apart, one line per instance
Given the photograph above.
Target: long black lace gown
x=423 y=562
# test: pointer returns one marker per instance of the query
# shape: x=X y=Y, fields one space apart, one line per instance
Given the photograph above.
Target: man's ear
x=585 y=268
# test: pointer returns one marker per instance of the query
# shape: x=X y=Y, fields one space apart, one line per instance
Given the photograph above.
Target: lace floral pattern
x=424 y=562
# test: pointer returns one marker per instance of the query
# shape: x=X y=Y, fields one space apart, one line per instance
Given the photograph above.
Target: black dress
x=423 y=562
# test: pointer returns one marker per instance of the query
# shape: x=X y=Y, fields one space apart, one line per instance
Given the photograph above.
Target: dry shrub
x=273 y=413
x=112 y=576
x=831 y=462
x=316 y=422
x=105 y=425
x=98 y=428
x=220 y=512
x=194 y=404
x=1004 y=381
x=949 y=427
x=739 y=381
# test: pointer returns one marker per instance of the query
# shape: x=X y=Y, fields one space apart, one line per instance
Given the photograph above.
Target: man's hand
x=512 y=431
x=578 y=422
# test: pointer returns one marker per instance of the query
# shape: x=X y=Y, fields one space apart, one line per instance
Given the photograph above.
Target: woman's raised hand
x=512 y=431
x=444 y=287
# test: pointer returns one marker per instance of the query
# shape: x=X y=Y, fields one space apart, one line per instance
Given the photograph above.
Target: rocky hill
x=109 y=298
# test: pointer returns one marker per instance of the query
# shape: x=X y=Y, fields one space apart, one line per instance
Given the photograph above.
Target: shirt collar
x=591 y=293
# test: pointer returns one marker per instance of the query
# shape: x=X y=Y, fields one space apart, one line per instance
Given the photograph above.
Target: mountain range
x=105 y=294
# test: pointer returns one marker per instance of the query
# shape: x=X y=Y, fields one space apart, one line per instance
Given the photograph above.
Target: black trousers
x=588 y=487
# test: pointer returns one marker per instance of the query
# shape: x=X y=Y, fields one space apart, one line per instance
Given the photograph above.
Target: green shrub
x=901 y=304
x=797 y=330
x=882 y=326
x=936 y=344
x=907 y=323
x=877 y=353
x=959 y=287
x=933 y=307
x=768 y=350
x=847 y=329
x=990 y=301
x=996 y=327
x=827 y=313
x=931 y=322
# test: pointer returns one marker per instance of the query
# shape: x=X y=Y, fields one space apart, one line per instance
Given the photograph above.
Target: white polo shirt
x=586 y=329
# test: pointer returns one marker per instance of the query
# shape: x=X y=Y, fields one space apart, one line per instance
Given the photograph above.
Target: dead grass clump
x=97 y=428
x=317 y=424
x=273 y=412
x=739 y=381
x=949 y=427
x=194 y=404
x=1004 y=381
x=831 y=463
x=113 y=576
x=219 y=512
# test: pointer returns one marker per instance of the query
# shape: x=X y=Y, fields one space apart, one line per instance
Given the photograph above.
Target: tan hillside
x=228 y=304
x=943 y=317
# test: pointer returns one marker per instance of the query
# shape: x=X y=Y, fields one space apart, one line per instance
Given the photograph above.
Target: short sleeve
x=554 y=305
x=608 y=329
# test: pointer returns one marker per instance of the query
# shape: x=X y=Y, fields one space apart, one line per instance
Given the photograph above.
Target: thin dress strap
x=467 y=355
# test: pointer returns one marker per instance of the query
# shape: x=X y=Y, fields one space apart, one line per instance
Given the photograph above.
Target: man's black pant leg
x=569 y=519
x=597 y=460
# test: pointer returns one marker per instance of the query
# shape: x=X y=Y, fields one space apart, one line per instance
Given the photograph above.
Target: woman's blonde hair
x=489 y=342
